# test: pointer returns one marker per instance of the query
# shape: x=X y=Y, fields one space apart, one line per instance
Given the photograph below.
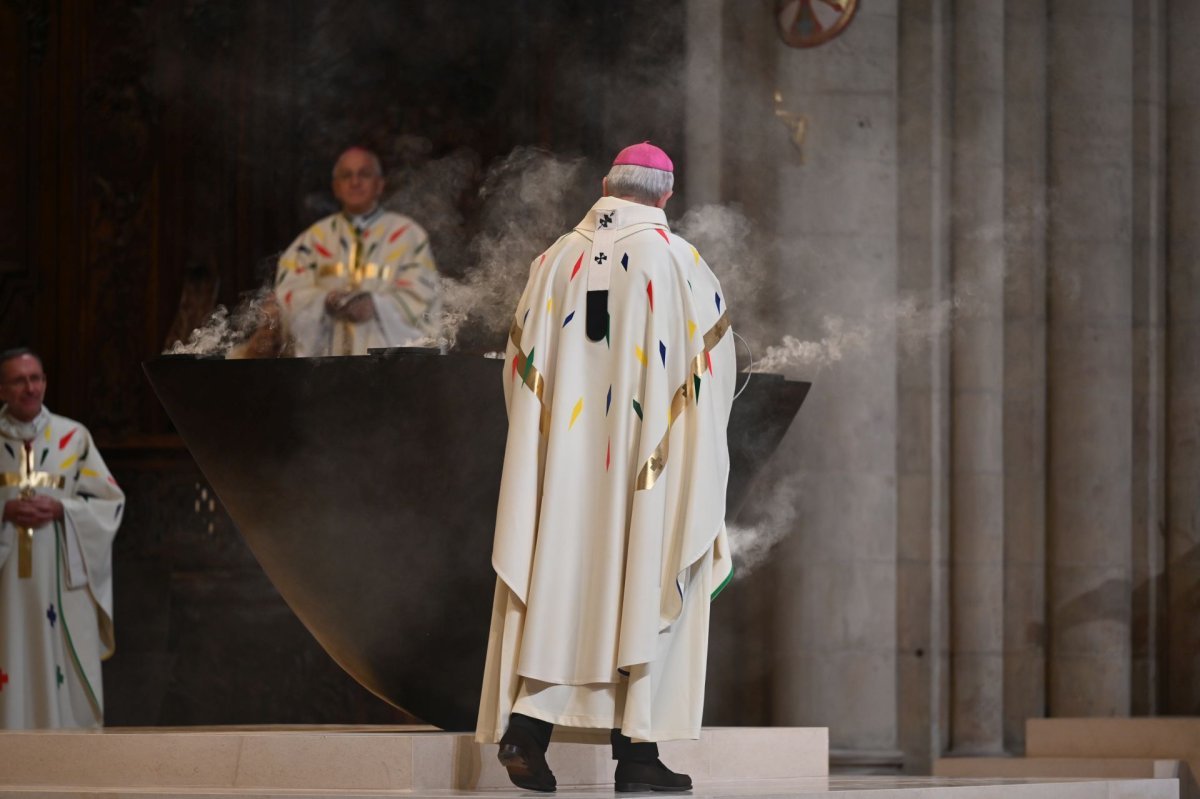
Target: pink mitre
x=644 y=154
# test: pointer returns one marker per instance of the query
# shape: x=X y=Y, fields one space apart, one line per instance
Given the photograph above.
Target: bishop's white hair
x=642 y=184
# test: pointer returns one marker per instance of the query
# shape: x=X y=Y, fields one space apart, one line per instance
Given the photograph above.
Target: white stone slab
x=366 y=759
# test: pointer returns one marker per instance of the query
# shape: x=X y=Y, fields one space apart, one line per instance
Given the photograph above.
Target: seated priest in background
x=62 y=508
x=610 y=531
x=361 y=278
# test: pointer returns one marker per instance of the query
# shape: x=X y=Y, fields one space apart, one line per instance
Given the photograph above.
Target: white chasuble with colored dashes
x=383 y=254
x=56 y=624
x=610 y=534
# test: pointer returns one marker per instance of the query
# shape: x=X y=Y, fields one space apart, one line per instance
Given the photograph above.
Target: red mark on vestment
x=578 y=263
x=663 y=233
x=62 y=442
x=650 y=294
x=322 y=250
x=392 y=238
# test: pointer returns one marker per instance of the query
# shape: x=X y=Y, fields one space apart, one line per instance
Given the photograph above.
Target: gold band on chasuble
x=34 y=480
x=530 y=376
x=657 y=462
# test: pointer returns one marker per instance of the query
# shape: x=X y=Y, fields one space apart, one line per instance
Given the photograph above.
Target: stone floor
x=246 y=762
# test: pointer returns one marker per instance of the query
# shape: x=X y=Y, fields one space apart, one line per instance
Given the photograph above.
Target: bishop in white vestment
x=62 y=508
x=610 y=536
x=361 y=278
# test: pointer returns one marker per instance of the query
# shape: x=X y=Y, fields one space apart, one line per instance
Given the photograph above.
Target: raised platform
x=418 y=762
x=1096 y=748
x=366 y=759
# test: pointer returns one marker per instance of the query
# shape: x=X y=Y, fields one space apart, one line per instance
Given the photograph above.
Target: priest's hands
x=33 y=512
x=352 y=306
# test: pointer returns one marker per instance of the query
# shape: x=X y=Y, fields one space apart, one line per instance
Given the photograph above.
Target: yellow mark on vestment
x=396 y=255
x=696 y=255
x=578 y=409
x=86 y=472
x=641 y=355
x=549 y=304
x=691 y=329
x=47 y=432
x=69 y=462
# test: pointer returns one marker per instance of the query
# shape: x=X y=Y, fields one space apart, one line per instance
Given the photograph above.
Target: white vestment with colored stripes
x=610 y=534
x=57 y=625
x=383 y=254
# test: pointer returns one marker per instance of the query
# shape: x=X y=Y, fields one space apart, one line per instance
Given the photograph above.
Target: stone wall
x=997 y=481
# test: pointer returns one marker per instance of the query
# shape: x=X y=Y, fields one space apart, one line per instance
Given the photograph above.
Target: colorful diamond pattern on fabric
x=708 y=359
x=86 y=472
x=549 y=304
x=640 y=354
x=608 y=401
x=650 y=294
x=718 y=296
x=625 y=262
x=578 y=409
x=637 y=408
x=62 y=442
x=399 y=232
x=663 y=233
x=575 y=269
x=608 y=455
x=662 y=352
x=9 y=450
x=696 y=382
x=69 y=462
x=58 y=676
x=322 y=250
x=45 y=454
x=567 y=321
x=51 y=615
x=696 y=255
x=528 y=363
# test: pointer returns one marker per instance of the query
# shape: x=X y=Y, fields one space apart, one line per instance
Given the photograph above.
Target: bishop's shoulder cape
x=390 y=258
x=616 y=462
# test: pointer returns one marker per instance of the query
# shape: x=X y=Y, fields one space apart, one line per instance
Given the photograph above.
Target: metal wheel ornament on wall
x=808 y=23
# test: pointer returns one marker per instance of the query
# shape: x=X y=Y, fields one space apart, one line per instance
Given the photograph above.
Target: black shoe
x=633 y=775
x=524 y=761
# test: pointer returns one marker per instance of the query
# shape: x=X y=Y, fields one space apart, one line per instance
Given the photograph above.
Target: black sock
x=538 y=729
x=623 y=748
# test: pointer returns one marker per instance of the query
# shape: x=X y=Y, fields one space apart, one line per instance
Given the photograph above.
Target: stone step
x=801 y=788
x=1152 y=737
x=366 y=759
x=1058 y=768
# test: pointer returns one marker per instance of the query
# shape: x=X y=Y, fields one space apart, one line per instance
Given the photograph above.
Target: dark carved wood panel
x=22 y=42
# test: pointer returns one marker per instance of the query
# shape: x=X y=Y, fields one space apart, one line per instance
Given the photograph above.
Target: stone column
x=837 y=216
x=923 y=384
x=977 y=392
x=702 y=109
x=1024 y=605
x=1182 y=668
x=1149 y=349
x=1090 y=356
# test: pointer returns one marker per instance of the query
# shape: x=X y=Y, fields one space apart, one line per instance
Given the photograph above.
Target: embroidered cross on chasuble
x=28 y=480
